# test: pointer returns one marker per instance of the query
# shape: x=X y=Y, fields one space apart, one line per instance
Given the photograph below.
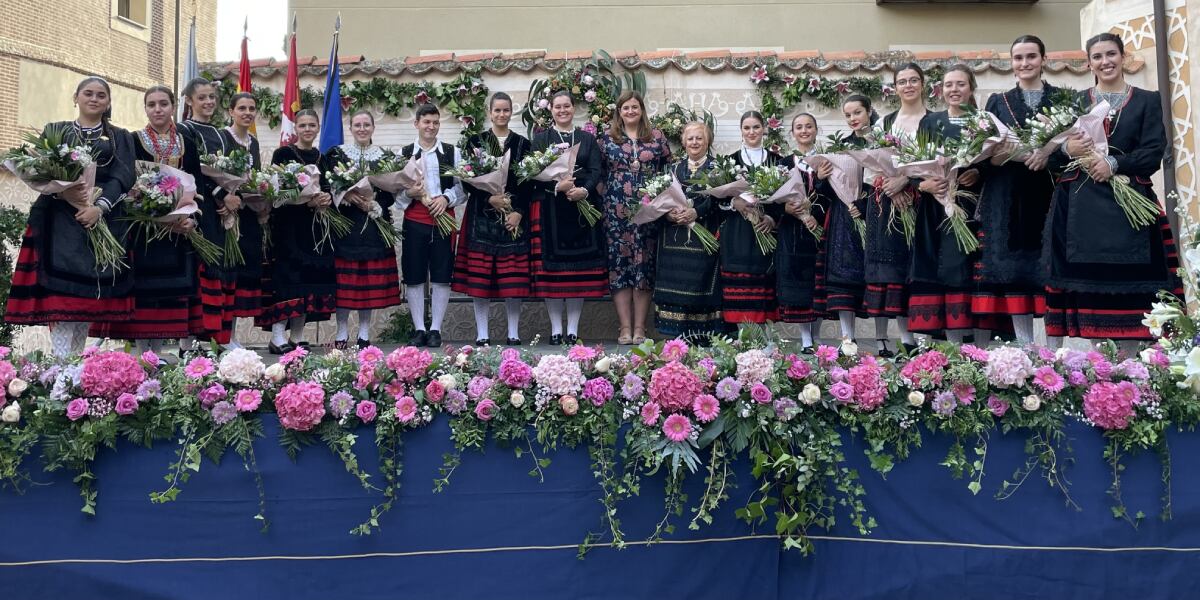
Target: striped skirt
x=482 y=275
x=585 y=283
x=748 y=298
x=367 y=284
x=29 y=303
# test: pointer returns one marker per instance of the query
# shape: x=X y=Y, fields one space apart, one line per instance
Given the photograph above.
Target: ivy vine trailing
x=464 y=97
x=665 y=409
x=592 y=83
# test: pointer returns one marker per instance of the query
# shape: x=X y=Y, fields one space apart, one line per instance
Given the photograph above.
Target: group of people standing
x=1040 y=253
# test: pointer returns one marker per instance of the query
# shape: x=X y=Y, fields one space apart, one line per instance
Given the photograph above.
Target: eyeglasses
x=913 y=81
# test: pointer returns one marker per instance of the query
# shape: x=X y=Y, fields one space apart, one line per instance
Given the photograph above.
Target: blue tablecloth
x=495 y=532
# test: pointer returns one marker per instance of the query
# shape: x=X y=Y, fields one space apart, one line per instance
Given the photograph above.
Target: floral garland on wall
x=779 y=93
x=464 y=97
x=592 y=84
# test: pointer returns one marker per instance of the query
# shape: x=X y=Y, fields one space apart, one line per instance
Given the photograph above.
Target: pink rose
x=569 y=405
x=485 y=410
x=434 y=392
x=760 y=393
x=127 y=404
x=76 y=409
x=365 y=411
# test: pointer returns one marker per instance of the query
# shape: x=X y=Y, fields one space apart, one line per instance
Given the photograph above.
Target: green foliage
x=12 y=227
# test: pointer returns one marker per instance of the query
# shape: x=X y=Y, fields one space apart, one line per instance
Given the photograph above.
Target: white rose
x=603 y=365
x=810 y=394
x=849 y=348
x=516 y=399
x=916 y=398
x=17 y=386
x=1061 y=353
x=460 y=360
x=1031 y=402
x=447 y=382
x=1147 y=355
x=275 y=372
x=11 y=413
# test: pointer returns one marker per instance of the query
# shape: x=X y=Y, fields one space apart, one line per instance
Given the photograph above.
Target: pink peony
x=674 y=349
x=211 y=395
x=760 y=393
x=300 y=405
x=677 y=428
x=514 y=373
x=434 y=391
x=650 y=413
x=798 y=368
x=1106 y=407
x=485 y=410
x=599 y=390
x=110 y=374
x=706 y=408
x=406 y=409
x=77 y=408
x=198 y=367
x=127 y=404
x=674 y=386
x=1077 y=378
x=409 y=363
x=365 y=411
x=247 y=400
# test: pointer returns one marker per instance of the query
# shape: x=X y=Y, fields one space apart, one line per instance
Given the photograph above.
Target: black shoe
x=363 y=343
x=301 y=344
x=435 y=339
x=571 y=339
x=883 y=350
x=284 y=349
x=513 y=341
x=483 y=342
x=418 y=339
x=556 y=339
x=808 y=350
x=340 y=344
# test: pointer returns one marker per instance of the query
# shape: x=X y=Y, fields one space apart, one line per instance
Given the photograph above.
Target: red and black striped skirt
x=29 y=303
x=482 y=275
x=153 y=319
x=748 y=298
x=932 y=307
x=367 y=284
x=313 y=307
x=585 y=283
x=886 y=300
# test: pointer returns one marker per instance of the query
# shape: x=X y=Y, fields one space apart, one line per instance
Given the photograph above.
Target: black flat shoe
x=435 y=339
x=808 y=350
x=299 y=344
x=284 y=349
x=883 y=350
x=556 y=339
x=418 y=339
x=363 y=343
x=340 y=344
x=483 y=342
x=571 y=339
x=513 y=341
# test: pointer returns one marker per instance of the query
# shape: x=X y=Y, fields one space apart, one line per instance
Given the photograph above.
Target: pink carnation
x=300 y=405
x=409 y=363
x=365 y=377
x=1106 y=407
x=677 y=428
x=514 y=373
x=706 y=408
x=674 y=386
x=406 y=409
x=365 y=411
x=599 y=390
x=127 y=404
x=110 y=374
x=247 y=400
x=485 y=410
x=198 y=367
x=674 y=349
x=650 y=414
x=925 y=370
x=434 y=391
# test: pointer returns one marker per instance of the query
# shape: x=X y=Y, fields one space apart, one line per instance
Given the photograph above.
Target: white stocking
x=512 y=310
x=481 y=306
x=846 y=320
x=343 y=325
x=415 y=294
x=1023 y=327
x=554 y=308
x=440 y=298
x=574 y=311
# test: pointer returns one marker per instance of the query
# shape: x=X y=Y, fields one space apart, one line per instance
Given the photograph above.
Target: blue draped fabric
x=496 y=532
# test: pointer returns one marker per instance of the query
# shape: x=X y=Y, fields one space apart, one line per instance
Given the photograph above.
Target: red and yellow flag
x=244 y=74
x=291 y=97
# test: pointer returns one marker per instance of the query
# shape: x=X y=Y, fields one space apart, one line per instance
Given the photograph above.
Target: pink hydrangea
x=650 y=413
x=7 y=373
x=754 y=366
x=365 y=411
x=1008 y=367
x=406 y=409
x=674 y=386
x=925 y=370
x=599 y=390
x=408 y=363
x=434 y=391
x=198 y=367
x=1048 y=380
x=866 y=379
x=1134 y=369
x=558 y=375
x=300 y=405
x=760 y=393
x=706 y=408
x=485 y=410
x=677 y=428
x=510 y=354
x=478 y=386
x=77 y=408
x=514 y=373
x=127 y=404
x=110 y=374
x=674 y=349
x=1077 y=378
x=709 y=365
x=1106 y=407
x=581 y=353
x=247 y=400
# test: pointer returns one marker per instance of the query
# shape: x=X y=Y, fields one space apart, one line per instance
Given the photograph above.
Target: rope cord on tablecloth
x=415 y=553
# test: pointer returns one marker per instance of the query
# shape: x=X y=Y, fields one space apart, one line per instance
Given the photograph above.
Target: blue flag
x=331 y=116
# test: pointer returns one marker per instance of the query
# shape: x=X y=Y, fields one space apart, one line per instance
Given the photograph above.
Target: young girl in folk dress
x=56 y=281
x=245 y=282
x=797 y=252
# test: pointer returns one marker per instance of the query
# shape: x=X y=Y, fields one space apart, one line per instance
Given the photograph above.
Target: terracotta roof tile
x=1067 y=55
x=623 y=54
x=976 y=55
x=799 y=55
x=523 y=55
x=851 y=55
x=933 y=55
x=432 y=58
x=579 y=55
x=342 y=60
x=470 y=58
x=703 y=54
x=756 y=54
x=659 y=54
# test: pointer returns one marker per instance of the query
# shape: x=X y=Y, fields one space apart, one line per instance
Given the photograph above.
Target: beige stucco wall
x=385 y=28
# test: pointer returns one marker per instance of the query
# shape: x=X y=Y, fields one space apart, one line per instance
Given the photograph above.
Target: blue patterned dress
x=631 y=248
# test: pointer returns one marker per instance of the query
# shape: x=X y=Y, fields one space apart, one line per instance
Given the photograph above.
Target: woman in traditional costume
x=747 y=274
x=798 y=246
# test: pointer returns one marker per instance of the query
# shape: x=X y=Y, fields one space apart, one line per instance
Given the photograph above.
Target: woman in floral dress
x=633 y=153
